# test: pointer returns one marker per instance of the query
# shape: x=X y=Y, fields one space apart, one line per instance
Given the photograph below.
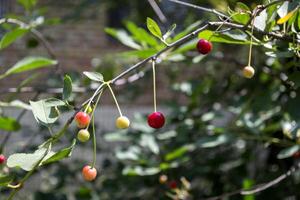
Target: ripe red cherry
x=89 y=173
x=173 y=184
x=297 y=154
x=204 y=46
x=156 y=120
x=82 y=119
x=2 y=159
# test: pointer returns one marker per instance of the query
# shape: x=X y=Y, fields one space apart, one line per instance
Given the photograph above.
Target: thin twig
x=218 y=13
x=260 y=187
x=158 y=11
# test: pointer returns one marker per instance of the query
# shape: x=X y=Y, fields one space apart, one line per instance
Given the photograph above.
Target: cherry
x=297 y=154
x=156 y=120
x=204 y=46
x=83 y=135
x=89 y=173
x=89 y=109
x=248 y=72
x=2 y=159
x=82 y=119
x=122 y=122
x=173 y=184
x=163 y=179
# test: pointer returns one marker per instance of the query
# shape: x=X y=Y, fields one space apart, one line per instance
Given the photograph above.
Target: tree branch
x=210 y=10
x=260 y=187
x=158 y=11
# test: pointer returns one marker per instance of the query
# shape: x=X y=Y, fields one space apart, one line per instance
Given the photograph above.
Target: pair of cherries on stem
x=205 y=46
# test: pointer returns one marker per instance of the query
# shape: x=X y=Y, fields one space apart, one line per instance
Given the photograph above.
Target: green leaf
x=5 y=179
x=29 y=63
x=230 y=37
x=53 y=102
x=27 y=4
x=123 y=37
x=43 y=112
x=148 y=140
x=153 y=28
x=169 y=32
x=288 y=152
x=9 y=124
x=132 y=153
x=241 y=18
x=141 y=35
x=67 y=89
x=139 y=53
x=139 y=171
x=283 y=9
x=26 y=161
x=15 y=104
x=12 y=36
x=179 y=152
x=213 y=141
x=284 y=19
x=94 y=76
x=241 y=7
x=62 y=154
x=260 y=21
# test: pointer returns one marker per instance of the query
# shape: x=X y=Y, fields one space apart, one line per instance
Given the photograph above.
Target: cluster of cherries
x=204 y=47
x=155 y=120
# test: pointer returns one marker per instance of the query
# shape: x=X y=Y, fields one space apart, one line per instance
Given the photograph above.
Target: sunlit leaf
x=288 y=152
x=286 y=17
x=12 y=36
x=9 y=124
x=29 y=63
x=94 y=76
x=153 y=27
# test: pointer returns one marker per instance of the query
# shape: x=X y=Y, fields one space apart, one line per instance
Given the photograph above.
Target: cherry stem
x=218 y=28
x=95 y=106
x=92 y=98
x=94 y=143
x=154 y=84
x=251 y=41
x=114 y=97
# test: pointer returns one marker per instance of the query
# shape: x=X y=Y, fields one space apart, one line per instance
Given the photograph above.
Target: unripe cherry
x=88 y=109
x=156 y=120
x=122 y=122
x=89 y=173
x=2 y=159
x=82 y=119
x=248 y=72
x=83 y=135
x=204 y=46
x=163 y=179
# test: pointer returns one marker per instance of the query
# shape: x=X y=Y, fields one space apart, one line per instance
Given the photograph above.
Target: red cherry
x=173 y=184
x=82 y=119
x=204 y=46
x=156 y=120
x=2 y=159
x=89 y=173
x=297 y=154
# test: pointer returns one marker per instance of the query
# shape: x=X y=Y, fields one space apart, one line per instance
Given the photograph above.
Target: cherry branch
x=260 y=187
x=218 y=13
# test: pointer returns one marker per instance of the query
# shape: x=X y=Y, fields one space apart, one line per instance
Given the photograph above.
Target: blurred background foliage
x=223 y=132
